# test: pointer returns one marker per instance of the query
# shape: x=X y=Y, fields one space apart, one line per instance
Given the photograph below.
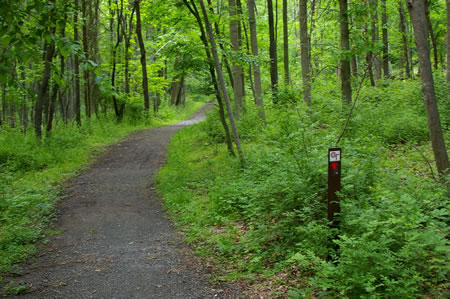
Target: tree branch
x=353 y=106
x=421 y=153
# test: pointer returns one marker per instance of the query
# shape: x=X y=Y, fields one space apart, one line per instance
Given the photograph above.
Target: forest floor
x=115 y=239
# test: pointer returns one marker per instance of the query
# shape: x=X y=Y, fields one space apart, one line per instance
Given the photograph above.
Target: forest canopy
x=290 y=79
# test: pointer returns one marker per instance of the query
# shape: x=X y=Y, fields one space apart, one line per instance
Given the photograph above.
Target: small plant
x=16 y=289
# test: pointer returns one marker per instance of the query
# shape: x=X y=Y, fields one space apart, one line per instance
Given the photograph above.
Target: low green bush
x=391 y=112
x=272 y=216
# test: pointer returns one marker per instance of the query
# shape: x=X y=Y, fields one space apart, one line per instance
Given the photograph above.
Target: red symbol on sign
x=334 y=155
x=334 y=165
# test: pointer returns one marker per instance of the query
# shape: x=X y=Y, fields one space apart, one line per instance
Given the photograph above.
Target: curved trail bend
x=116 y=240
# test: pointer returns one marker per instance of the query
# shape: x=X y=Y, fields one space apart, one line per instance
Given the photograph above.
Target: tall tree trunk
x=87 y=88
x=235 y=39
x=12 y=115
x=385 y=40
x=51 y=109
x=369 y=54
x=418 y=17
x=193 y=9
x=369 y=61
x=431 y=33
x=4 y=105
x=375 y=37
x=241 y=26
x=119 y=13
x=305 y=52
x=178 y=100
x=250 y=68
x=404 y=40
x=174 y=89
x=24 y=117
x=254 y=44
x=127 y=30
x=42 y=94
x=355 y=65
x=448 y=45
x=62 y=91
x=345 y=60
x=76 y=38
x=95 y=89
x=311 y=29
x=222 y=83
x=224 y=56
x=287 y=79
x=273 y=54
x=143 y=55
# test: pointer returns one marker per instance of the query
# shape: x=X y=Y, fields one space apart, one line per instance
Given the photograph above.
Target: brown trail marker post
x=334 y=185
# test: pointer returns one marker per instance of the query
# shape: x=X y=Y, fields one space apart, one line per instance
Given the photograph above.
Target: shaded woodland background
x=291 y=78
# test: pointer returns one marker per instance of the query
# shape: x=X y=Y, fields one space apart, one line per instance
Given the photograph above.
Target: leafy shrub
x=213 y=127
x=271 y=216
x=289 y=95
x=391 y=112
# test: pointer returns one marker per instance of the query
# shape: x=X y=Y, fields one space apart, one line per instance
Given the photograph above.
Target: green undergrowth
x=268 y=222
x=31 y=174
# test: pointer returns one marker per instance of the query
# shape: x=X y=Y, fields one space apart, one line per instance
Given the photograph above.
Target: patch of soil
x=116 y=240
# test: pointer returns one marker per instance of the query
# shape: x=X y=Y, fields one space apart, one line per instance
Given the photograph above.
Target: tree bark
x=404 y=40
x=385 y=40
x=127 y=30
x=42 y=96
x=76 y=38
x=369 y=61
x=431 y=33
x=114 y=54
x=4 y=105
x=143 y=55
x=448 y=45
x=345 y=60
x=174 y=89
x=194 y=11
x=62 y=91
x=224 y=57
x=235 y=40
x=12 y=115
x=87 y=87
x=94 y=52
x=287 y=79
x=305 y=52
x=273 y=54
x=241 y=26
x=250 y=68
x=51 y=108
x=178 y=100
x=375 y=37
x=222 y=83
x=254 y=45
x=418 y=18
x=24 y=117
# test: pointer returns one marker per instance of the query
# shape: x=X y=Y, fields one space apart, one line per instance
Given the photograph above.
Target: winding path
x=116 y=240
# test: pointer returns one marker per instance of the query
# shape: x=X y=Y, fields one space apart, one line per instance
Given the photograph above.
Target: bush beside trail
x=269 y=221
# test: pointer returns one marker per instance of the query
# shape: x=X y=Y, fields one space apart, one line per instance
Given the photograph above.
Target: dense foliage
x=270 y=219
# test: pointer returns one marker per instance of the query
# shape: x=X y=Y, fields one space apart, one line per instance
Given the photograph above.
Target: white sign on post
x=335 y=156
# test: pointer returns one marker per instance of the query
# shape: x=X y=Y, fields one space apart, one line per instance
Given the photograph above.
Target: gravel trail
x=116 y=240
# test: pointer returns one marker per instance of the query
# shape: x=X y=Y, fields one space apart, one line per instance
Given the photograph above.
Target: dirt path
x=116 y=240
